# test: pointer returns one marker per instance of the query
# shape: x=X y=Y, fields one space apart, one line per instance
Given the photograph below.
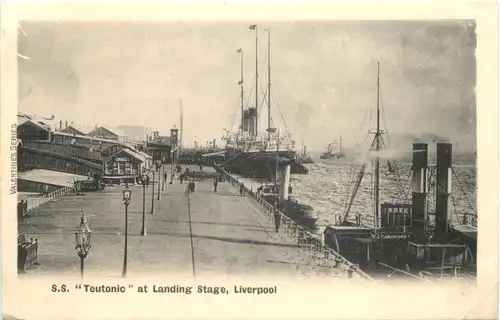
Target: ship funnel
x=252 y=121
x=419 y=192
x=443 y=188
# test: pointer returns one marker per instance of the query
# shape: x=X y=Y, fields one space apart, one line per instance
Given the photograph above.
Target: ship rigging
x=249 y=151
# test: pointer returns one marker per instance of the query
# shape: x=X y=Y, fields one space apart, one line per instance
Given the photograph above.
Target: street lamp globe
x=127 y=194
x=83 y=236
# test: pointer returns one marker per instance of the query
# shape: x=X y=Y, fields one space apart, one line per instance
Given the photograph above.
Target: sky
x=324 y=76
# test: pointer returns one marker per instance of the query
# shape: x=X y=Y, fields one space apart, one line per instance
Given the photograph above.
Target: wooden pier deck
x=230 y=236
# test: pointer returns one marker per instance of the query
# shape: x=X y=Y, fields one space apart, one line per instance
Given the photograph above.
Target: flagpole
x=256 y=80
x=268 y=84
x=241 y=91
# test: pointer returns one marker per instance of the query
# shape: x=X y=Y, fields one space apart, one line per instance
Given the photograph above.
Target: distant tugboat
x=330 y=154
x=304 y=158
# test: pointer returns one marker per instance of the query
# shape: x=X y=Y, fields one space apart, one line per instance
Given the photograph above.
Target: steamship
x=404 y=239
x=255 y=154
x=330 y=154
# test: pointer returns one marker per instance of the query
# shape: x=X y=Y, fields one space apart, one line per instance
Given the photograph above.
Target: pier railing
x=33 y=202
x=312 y=244
x=467 y=219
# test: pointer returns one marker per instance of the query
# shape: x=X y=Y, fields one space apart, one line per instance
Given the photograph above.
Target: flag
x=239 y=50
x=253 y=26
x=240 y=82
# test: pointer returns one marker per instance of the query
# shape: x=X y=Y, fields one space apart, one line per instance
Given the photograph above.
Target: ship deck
x=230 y=235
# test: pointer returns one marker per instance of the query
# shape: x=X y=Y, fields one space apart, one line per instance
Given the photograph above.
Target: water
x=329 y=184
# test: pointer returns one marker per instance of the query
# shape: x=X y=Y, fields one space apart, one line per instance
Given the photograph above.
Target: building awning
x=55 y=178
x=122 y=177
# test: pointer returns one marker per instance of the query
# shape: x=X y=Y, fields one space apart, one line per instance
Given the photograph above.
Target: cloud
x=123 y=73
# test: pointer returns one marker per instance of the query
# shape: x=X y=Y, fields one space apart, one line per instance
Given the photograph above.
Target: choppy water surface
x=329 y=184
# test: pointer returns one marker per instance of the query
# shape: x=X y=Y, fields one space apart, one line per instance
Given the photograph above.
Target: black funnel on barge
x=443 y=189
x=419 y=192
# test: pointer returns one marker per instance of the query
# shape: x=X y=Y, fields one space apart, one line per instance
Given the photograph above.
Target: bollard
x=349 y=273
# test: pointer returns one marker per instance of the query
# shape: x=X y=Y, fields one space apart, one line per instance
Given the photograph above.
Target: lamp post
x=153 y=194
x=163 y=174
x=158 y=163
x=127 y=194
x=83 y=236
x=143 y=231
x=171 y=166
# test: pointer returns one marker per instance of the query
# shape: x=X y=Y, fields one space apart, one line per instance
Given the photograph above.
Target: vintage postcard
x=249 y=160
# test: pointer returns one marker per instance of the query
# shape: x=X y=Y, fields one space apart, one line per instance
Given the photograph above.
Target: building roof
x=118 y=132
x=136 y=154
x=72 y=130
x=56 y=178
x=88 y=137
x=131 y=153
x=37 y=124
x=21 y=118
x=100 y=131
x=145 y=155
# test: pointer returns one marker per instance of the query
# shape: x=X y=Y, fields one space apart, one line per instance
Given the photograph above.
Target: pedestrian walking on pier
x=147 y=181
x=242 y=189
x=165 y=175
x=181 y=177
x=216 y=183
x=277 y=220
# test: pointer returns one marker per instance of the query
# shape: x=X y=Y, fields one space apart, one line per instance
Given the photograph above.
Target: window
x=121 y=169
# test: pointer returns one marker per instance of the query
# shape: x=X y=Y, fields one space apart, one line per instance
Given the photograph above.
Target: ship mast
x=375 y=143
x=268 y=84
x=277 y=154
x=240 y=51
x=254 y=27
x=181 y=127
x=378 y=134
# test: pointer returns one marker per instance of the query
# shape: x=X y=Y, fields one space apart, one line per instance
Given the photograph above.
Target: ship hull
x=305 y=159
x=261 y=164
x=331 y=156
x=302 y=214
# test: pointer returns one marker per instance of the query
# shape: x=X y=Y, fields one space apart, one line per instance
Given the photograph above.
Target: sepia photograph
x=308 y=150
x=157 y=146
